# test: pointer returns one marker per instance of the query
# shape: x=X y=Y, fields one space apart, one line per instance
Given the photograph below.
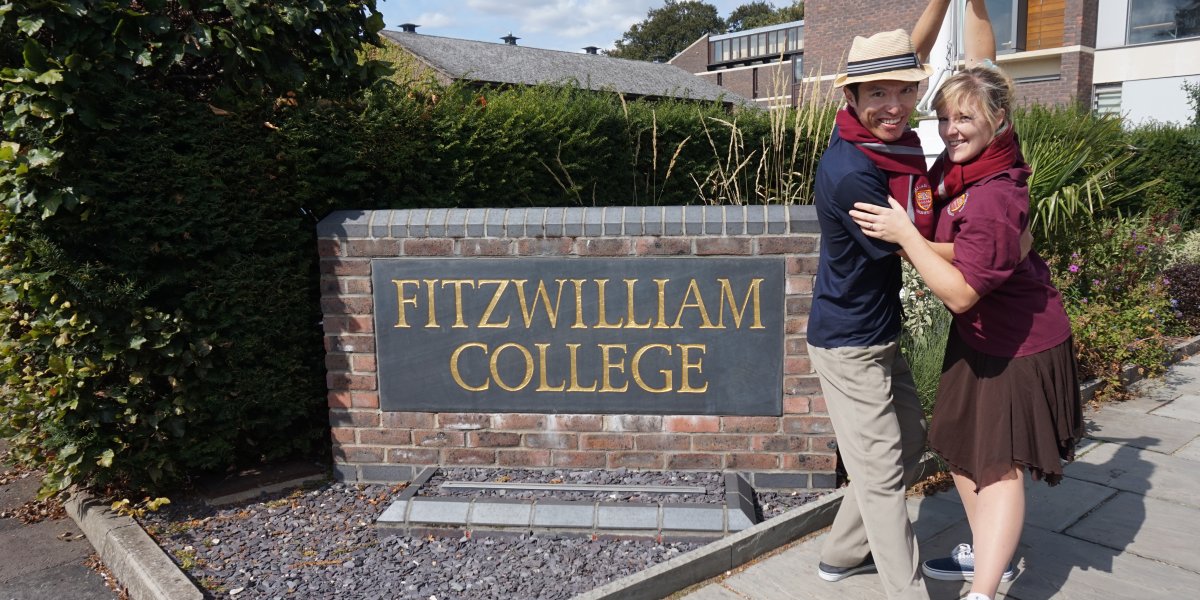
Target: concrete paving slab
x=612 y=515
x=502 y=513
x=34 y=547
x=1141 y=431
x=1062 y=567
x=932 y=515
x=716 y=591
x=1191 y=451
x=1169 y=478
x=550 y=513
x=1184 y=408
x=73 y=581
x=684 y=517
x=449 y=511
x=394 y=514
x=1147 y=527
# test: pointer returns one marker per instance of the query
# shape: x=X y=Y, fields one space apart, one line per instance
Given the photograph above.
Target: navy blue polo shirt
x=856 y=298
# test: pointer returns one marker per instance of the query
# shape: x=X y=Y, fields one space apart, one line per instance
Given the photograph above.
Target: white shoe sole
x=960 y=576
x=835 y=577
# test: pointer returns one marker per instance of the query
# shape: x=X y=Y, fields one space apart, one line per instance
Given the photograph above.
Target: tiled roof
x=486 y=62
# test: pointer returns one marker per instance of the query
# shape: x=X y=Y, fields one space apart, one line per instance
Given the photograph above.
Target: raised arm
x=979 y=41
x=925 y=32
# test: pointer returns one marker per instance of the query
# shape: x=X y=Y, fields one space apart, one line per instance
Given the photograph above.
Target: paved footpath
x=1124 y=523
x=43 y=561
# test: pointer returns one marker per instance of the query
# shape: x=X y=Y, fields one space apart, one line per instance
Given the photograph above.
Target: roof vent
x=590 y=49
x=408 y=27
x=510 y=39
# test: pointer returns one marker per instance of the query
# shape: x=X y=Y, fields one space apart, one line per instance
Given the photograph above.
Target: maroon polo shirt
x=1019 y=311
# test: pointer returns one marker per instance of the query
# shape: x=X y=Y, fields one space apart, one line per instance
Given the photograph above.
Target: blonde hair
x=985 y=87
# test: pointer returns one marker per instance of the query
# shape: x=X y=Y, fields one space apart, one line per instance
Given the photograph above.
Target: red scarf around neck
x=902 y=161
x=951 y=179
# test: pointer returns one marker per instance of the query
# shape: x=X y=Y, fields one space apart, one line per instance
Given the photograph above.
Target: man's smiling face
x=884 y=106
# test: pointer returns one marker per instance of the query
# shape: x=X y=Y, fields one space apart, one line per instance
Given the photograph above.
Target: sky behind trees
x=567 y=25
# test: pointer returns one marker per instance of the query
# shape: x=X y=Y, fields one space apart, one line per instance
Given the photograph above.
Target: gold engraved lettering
x=544 y=296
x=575 y=387
x=727 y=298
x=685 y=387
x=459 y=322
x=454 y=372
x=607 y=366
x=579 y=324
x=496 y=371
x=632 y=323
x=431 y=321
x=543 y=385
x=662 y=304
x=485 y=320
x=402 y=317
x=693 y=291
x=602 y=318
x=668 y=375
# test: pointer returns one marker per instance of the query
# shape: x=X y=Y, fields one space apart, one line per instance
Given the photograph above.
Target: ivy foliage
x=141 y=231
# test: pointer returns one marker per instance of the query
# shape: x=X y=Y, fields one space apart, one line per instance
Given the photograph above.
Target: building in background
x=491 y=64
x=1126 y=56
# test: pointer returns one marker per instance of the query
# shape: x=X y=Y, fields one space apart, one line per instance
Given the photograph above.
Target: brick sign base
x=791 y=448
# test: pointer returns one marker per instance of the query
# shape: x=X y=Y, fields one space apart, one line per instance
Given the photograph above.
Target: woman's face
x=965 y=130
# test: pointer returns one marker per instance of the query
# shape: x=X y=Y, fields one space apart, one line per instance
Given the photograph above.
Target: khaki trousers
x=880 y=430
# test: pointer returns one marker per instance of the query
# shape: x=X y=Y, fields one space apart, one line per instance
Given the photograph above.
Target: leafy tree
x=761 y=14
x=668 y=30
x=1193 y=93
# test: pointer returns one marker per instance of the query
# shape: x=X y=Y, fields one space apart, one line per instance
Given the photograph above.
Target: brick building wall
x=793 y=450
x=830 y=27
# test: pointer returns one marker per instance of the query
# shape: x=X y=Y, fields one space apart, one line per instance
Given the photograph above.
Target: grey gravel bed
x=713 y=483
x=320 y=543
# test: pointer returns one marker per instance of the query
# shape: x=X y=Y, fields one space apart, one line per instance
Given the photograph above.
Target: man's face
x=884 y=107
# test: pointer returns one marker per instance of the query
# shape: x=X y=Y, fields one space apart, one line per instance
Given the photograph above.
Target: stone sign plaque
x=581 y=335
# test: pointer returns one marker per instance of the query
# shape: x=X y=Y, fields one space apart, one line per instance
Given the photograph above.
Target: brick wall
x=830 y=27
x=793 y=450
x=694 y=59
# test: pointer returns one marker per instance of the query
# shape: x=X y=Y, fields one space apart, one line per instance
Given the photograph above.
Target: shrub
x=1168 y=156
x=1117 y=299
x=1183 y=281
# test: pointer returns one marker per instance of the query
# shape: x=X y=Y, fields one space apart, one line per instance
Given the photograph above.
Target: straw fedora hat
x=888 y=55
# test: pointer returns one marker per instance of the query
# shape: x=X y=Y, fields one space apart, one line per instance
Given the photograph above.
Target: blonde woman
x=1008 y=403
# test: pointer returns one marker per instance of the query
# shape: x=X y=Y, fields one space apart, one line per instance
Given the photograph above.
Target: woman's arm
x=942 y=277
x=925 y=32
x=979 y=41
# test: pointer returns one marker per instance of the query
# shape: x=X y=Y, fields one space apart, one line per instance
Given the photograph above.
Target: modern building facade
x=1127 y=56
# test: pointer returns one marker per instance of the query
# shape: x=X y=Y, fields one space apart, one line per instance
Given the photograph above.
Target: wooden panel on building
x=1046 y=24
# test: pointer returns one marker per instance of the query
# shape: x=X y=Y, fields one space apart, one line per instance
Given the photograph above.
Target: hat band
x=882 y=65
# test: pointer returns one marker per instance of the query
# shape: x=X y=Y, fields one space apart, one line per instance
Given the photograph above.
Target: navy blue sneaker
x=831 y=573
x=959 y=566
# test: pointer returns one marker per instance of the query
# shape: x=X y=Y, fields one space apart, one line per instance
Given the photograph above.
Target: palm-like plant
x=1075 y=156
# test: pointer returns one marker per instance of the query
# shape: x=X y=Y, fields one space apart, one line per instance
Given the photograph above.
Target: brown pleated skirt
x=993 y=412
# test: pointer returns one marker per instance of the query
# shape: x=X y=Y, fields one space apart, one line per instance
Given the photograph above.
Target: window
x=1106 y=99
x=720 y=80
x=797 y=68
x=1162 y=20
x=754 y=83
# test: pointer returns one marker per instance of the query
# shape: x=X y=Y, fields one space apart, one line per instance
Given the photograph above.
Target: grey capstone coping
x=735 y=221
x=446 y=511
x=610 y=515
x=420 y=480
x=693 y=220
x=633 y=219
x=714 y=220
x=573 y=222
x=823 y=481
x=756 y=220
x=437 y=222
x=564 y=514
x=672 y=220
x=501 y=513
x=380 y=221
x=693 y=517
x=495 y=222
x=475 y=222
x=652 y=220
x=456 y=223
x=345 y=473
x=739 y=520
x=614 y=221
x=593 y=221
x=737 y=488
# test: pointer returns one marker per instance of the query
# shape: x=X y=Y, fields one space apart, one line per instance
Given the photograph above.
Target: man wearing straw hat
x=854 y=325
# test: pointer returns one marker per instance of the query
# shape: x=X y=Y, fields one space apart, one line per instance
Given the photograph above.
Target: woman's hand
x=884 y=223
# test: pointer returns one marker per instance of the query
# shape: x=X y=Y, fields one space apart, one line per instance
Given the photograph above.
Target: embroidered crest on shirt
x=924 y=198
x=957 y=204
